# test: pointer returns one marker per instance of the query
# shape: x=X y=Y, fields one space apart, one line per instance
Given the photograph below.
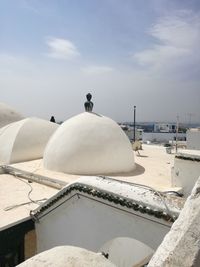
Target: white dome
x=24 y=140
x=89 y=144
x=121 y=249
x=67 y=256
x=8 y=115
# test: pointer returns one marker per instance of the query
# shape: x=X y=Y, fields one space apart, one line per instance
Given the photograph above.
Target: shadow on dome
x=138 y=170
x=95 y=113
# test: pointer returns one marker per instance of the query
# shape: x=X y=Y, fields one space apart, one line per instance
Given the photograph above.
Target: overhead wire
x=159 y=193
x=38 y=201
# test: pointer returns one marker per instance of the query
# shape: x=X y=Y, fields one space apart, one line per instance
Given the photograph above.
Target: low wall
x=181 y=246
x=193 y=139
x=161 y=137
x=186 y=171
x=90 y=224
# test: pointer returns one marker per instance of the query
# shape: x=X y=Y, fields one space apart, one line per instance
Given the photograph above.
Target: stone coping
x=140 y=199
x=193 y=155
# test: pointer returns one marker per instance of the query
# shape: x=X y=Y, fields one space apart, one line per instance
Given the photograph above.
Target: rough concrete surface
x=181 y=246
x=67 y=256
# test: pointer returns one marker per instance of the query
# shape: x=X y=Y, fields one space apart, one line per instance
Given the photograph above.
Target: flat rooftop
x=153 y=169
x=14 y=193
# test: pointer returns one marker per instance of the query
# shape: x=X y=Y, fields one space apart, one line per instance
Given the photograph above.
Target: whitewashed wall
x=181 y=246
x=160 y=137
x=193 y=139
x=90 y=224
x=185 y=174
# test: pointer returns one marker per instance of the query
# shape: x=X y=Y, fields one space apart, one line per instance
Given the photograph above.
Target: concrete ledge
x=181 y=246
x=140 y=199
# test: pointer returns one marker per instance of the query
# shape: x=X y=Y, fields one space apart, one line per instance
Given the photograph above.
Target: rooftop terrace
x=153 y=169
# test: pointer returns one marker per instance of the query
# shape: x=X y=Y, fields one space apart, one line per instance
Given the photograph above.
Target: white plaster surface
x=24 y=140
x=192 y=153
x=14 y=191
x=8 y=115
x=67 y=256
x=89 y=144
x=181 y=246
x=143 y=195
x=153 y=168
x=193 y=139
x=160 y=137
x=186 y=170
x=126 y=252
x=36 y=167
x=88 y=222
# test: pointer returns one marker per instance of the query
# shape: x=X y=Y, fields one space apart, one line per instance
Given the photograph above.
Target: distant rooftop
x=194 y=129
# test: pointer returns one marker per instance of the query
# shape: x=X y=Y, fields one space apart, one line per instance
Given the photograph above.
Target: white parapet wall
x=193 y=138
x=161 y=137
x=186 y=170
x=181 y=246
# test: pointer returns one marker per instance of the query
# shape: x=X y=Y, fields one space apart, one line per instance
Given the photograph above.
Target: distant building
x=162 y=137
x=129 y=132
x=165 y=127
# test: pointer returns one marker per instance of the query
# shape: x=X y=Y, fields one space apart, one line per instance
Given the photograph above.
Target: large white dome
x=8 y=115
x=89 y=144
x=24 y=140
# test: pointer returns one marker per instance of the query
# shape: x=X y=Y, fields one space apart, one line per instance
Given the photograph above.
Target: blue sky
x=126 y=53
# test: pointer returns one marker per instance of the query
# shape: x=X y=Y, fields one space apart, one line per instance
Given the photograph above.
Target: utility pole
x=134 y=124
x=177 y=125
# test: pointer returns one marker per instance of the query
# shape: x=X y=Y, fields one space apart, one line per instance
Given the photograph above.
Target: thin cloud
x=13 y=63
x=61 y=48
x=26 y=4
x=177 y=39
x=180 y=30
x=95 y=69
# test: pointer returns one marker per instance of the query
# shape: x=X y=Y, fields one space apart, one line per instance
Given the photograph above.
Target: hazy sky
x=125 y=52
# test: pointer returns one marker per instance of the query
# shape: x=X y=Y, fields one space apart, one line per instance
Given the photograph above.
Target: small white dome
x=8 y=115
x=89 y=144
x=67 y=256
x=24 y=140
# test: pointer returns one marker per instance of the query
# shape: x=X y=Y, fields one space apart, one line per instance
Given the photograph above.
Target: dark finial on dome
x=88 y=104
x=52 y=119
